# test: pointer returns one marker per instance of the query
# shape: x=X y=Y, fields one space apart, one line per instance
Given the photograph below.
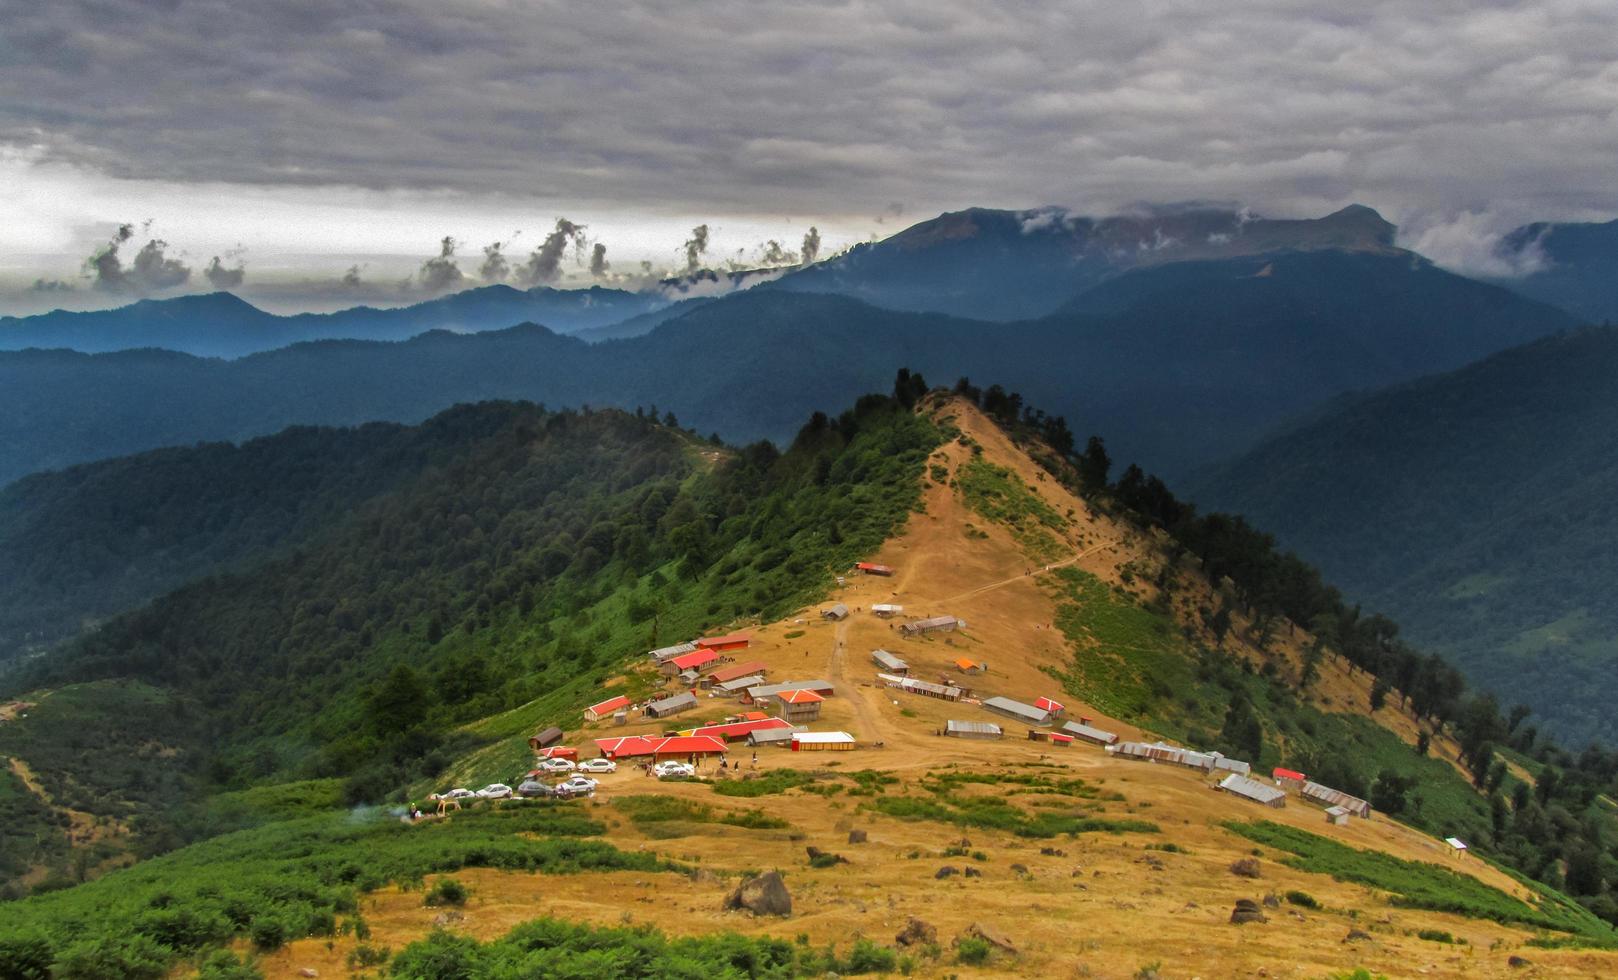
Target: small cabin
x=606 y=709
x=822 y=742
x=888 y=610
x=972 y=729
x=684 y=701
x=835 y=614
x=799 y=707
x=889 y=662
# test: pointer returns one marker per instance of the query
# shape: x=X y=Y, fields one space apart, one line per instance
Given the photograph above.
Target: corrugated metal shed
x=1336 y=815
x=669 y=653
x=838 y=611
x=942 y=691
x=730 y=672
x=886 y=609
x=888 y=661
x=822 y=740
x=931 y=625
x=605 y=708
x=1228 y=764
x=1089 y=733
x=770 y=736
x=683 y=701
x=1017 y=710
x=545 y=737
x=972 y=729
x=1253 y=790
x=1325 y=795
x=770 y=690
x=739 y=684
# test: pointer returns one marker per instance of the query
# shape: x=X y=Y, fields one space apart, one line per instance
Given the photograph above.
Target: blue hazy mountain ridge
x=224 y=325
x=1475 y=508
x=1177 y=365
x=1012 y=265
x=1575 y=266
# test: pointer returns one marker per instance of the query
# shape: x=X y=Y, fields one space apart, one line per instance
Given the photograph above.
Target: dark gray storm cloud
x=221 y=276
x=695 y=247
x=544 y=265
x=598 y=261
x=837 y=109
x=152 y=269
x=811 y=245
x=495 y=268
x=441 y=273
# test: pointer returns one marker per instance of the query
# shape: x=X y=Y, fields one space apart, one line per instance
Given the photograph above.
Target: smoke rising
x=221 y=276
x=774 y=253
x=544 y=265
x=495 y=268
x=152 y=269
x=441 y=272
x=695 y=247
x=811 y=245
x=598 y=261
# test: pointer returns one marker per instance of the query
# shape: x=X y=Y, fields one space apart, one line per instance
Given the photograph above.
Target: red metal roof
x=799 y=697
x=631 y=746
x=966 y=664
x=735 y=671
x=754 y=716
x=608 y=706
x=1288 y=774
x=697 y=659
x=561 y=752
x=1046 y=704
x=740 y=729
x=728 y=640
x=871 y=566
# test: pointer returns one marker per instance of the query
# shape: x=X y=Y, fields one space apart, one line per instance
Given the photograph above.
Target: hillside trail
x=870 y=721
x=1036 y=573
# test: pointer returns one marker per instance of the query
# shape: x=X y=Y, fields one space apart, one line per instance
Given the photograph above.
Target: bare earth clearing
x=1103 y=906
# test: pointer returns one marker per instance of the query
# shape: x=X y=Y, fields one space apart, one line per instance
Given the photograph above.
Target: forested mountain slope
x=1179 y=365
x=526 y=561
x=1098 y=588
x=1475 y=507
x=1574 y=266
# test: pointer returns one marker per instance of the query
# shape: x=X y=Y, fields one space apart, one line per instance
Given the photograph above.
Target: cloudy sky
x=303 y=138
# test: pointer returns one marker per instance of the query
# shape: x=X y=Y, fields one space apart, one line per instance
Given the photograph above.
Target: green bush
x=222 y=964
x=972 y=951
x=1303 y=900
x=447 y=891
x=134 y=957
x=824 y=860
x=26 y=955
x=365 y=955
x=868 y=957
x=269 y=931
x=1436 y=936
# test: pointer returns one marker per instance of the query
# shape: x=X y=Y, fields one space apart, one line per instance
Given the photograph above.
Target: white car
x=577 y=785
x=495 y=791
x=458 y=794
x=598 y=765
x=673 y=770
x=556 y=765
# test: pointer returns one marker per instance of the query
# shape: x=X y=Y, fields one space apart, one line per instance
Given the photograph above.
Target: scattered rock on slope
x=765 y=894
x=916 y=933
x=1247 y=910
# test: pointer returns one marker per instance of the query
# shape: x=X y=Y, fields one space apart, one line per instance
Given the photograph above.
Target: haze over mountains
x=1574 y=266
x=1474 y=507
x=1179 y=363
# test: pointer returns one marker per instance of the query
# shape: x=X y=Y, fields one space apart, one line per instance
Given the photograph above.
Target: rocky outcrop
x=764 y=895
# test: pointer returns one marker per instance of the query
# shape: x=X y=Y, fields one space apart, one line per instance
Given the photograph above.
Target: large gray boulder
x=764 y=895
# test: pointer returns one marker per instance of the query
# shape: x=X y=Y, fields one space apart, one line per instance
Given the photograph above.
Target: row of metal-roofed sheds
x=1239 y=782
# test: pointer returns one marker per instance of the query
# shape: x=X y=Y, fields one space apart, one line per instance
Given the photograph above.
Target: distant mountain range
x=1575 y=266
x=1177 y=364
x=1013 y=265
x=223 y=325
x=1477 y=509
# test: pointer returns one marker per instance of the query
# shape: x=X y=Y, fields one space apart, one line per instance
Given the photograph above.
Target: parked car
x=598 y=765
x=673 y=770
x=458 y=794
x=495 y=791
x=577 y=785
x=557 y=765
x=533 y=789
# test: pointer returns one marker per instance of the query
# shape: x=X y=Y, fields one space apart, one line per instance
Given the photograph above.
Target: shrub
x=365 y=955
x=134 y=957
x=824 y=860
x=26 y=955
x=1436 y=936
x=868 y=957
x=222 y=964
x=972 y=951
x=442 y=956
x=1303 y=900
x=1246 y=868
x=447 y=891
x=269 y=931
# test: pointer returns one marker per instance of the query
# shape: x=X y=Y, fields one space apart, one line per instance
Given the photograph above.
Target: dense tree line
x=545 y=548
x=1559 y=829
